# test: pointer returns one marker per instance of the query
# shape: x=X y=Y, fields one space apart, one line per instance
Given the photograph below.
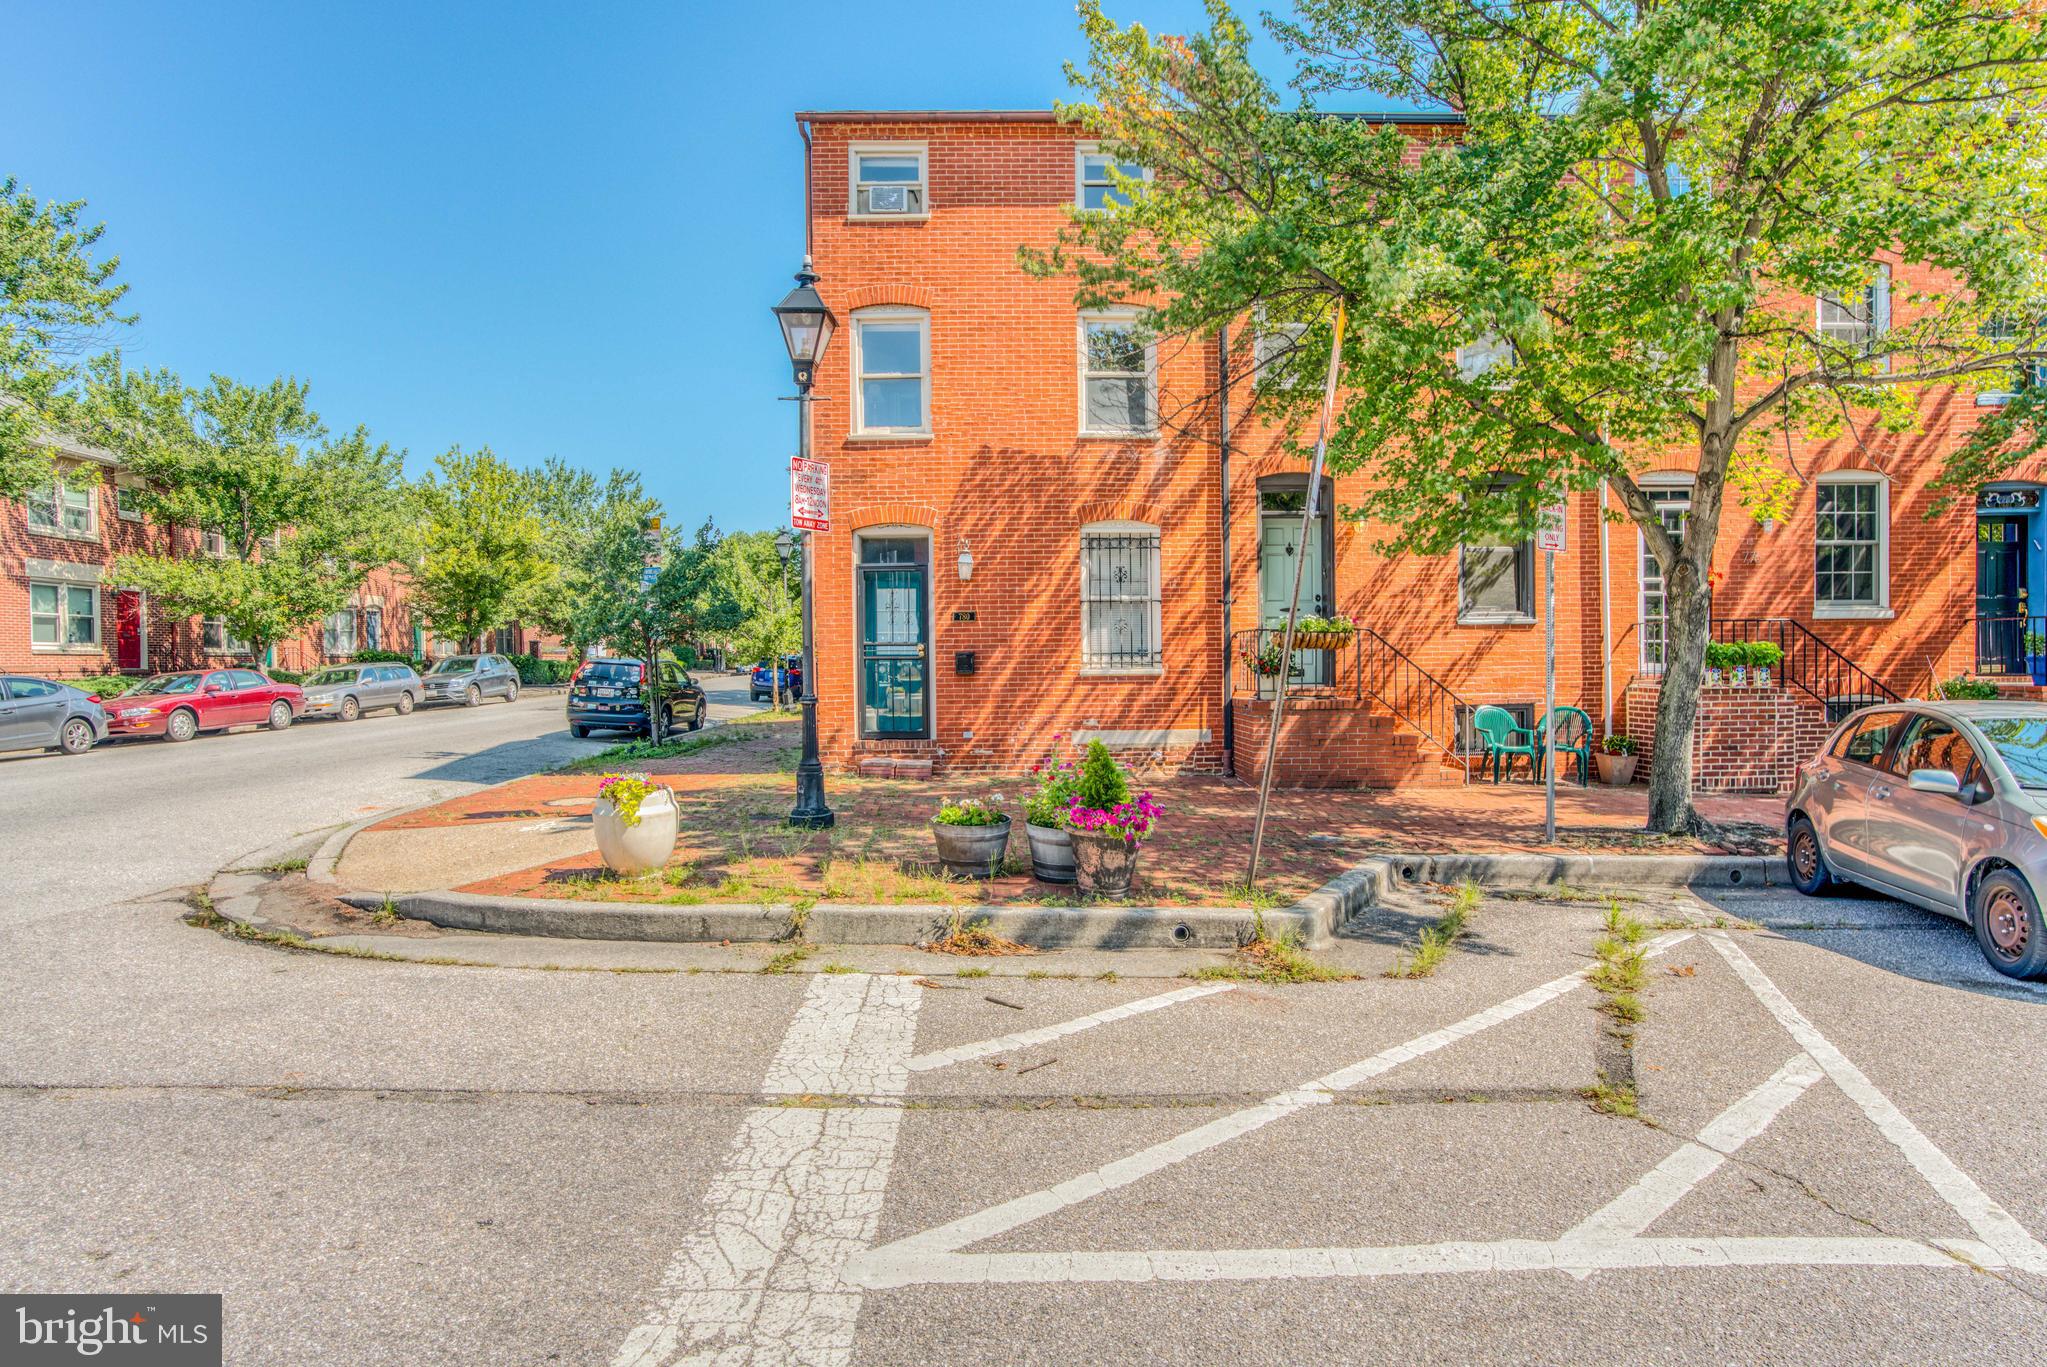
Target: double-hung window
x=1116 y=378
x=1490 y=353
x=889 y=180
x=1276 y=353
x=337 y=634
x=1851 y=551
x=215 y=640
x=213 y=543
x=2007 y=332
x=1496 y=580
x=892 y=364
x=127 y=506
x=65 y=506
x=63 y=616
x=1854 y=321
x=1119 y=598
x=1097 y=173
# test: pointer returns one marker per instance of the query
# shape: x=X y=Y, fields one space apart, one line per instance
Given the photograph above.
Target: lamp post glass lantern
x=806 y=330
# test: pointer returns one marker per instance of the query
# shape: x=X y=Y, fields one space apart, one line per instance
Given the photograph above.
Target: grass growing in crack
x=973 y=938
x=1618 y=977
x=386 y=914
x=278 y=866
x=1266 y=960
x=838 y=968
x=786 y=960
x=1108 y=977
x=1611 y=1099
x=973 y=973
x=1435 y=942
x=640 y=751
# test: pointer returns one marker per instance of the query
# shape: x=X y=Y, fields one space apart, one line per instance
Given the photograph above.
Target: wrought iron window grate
x=1119 y=593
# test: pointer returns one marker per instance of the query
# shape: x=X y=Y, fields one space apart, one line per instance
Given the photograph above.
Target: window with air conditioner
x=889 y=181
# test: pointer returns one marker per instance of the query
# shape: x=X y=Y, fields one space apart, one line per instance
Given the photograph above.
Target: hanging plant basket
x=1322 y=640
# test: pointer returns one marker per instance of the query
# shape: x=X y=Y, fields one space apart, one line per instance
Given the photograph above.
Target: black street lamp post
x=806 y=330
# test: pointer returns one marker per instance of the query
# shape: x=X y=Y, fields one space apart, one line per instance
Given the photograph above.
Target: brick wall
x=1748 y=740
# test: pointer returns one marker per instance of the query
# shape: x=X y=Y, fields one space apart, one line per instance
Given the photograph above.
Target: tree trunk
x=1688 y=622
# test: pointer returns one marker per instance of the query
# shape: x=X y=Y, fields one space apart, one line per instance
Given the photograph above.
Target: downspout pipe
x=803 y=127
x=1222 y=406
x=1605 y=620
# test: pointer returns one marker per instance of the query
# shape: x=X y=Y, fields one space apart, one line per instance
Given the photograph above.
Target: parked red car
x=180 y=706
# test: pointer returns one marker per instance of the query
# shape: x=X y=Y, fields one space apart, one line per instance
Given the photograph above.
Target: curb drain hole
x=1734 y=875
x=1183 y=932
x=1408 y=873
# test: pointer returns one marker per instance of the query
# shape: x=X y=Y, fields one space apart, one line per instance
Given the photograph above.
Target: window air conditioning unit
x=888 y=199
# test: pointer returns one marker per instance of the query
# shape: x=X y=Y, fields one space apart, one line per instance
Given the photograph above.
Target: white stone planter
x=640 y=848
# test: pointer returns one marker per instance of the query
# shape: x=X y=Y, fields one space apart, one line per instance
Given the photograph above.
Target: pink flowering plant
x=1057 y=781
x=1101 y=803
x=625 y=793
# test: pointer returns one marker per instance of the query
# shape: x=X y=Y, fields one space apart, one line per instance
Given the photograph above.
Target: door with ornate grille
x=895 y=694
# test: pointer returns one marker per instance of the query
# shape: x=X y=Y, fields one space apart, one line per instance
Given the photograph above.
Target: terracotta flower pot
x=972 y=851
x=1106 y=864
x=1051 y=853
x=1615 y=770
x=639 y=848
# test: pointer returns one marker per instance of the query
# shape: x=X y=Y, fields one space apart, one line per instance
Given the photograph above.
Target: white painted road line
x=1993 y=1224
x=998 y=1219
x=800 y=1193
x=1024 y=1039
x=1664 y=1185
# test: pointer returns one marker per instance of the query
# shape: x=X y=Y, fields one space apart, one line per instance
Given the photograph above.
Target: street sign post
x=810 y=495
x=1549 y=539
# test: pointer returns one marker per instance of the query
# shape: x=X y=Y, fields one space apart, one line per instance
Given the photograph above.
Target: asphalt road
x=379 y=1162
x=132 y=817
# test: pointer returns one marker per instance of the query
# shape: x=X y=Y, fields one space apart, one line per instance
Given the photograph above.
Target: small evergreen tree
x=1103 y=783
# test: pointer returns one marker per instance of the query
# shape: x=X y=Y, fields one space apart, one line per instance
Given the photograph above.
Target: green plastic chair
x=1504 y=739
x=1568 y=731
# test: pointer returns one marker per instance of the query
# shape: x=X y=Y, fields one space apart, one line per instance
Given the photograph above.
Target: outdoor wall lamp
x=966 y=561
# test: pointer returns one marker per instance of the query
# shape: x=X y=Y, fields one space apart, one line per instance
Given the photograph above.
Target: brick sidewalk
x=734 y=848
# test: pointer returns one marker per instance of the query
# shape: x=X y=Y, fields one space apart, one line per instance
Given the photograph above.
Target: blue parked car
x=762 y=686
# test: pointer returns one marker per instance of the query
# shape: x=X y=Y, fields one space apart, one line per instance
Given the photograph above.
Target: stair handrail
x=1865 y=684
x=1445 y=695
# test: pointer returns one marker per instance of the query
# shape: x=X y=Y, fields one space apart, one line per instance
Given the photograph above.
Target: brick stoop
x=1340 y=743
x=2019 y=688
x=885 y=766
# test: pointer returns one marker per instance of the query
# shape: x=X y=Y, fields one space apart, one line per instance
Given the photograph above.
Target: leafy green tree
x=56 y=304
x=574 y=507
x=483 y=543
x=762 y=596
x=1615 y=257
x=301 y=517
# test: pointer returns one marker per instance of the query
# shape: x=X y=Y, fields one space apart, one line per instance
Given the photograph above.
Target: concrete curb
x=1589 y=870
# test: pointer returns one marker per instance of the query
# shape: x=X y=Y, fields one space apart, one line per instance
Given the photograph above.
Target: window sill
x=129 y=517
x=1496 y=619
x=1151 y=434
x=924 y=217
x=1134 y=672
x=65 y=650
x=1851 y=612
x=887 y=436
x=59 y=534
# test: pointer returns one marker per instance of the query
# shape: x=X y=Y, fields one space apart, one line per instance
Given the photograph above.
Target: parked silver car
x=42 y=714
x=1941 y=804
x=348 y=691
x=469 y=679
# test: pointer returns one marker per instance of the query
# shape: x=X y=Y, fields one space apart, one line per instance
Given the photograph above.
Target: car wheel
x=2006 y=920
x=350 y=708
x=512 y=691
x=696 y=720
x=76 y=738
x=473 y=698
x=182 y=726
x=280 y=715
x=580 y=732
x=405 y=703
x=1805 y=861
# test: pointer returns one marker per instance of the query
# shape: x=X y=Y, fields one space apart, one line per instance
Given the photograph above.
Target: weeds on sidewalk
x=1613 y=1099
x=640 y=751
x=1267 y=960
x=973 y=938
x=1618 y=976
x=787 y=960
x=1435 y=942
x=278 y=866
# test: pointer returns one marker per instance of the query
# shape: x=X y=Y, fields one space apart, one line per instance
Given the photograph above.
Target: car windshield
x=2021 y=742
x=612 y=672
x=169 y=683
x=331 y=676
x=455 y=664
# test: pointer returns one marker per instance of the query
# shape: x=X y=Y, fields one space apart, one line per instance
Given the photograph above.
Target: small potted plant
x=1616 y=760
x=1764 y=656
x=1108 y=827
x=1324 y=633
x=972 y=836
x=1721 y=656
x=2036 y=656
x=1045 y=819
x=635 y=820
x=1266 y=664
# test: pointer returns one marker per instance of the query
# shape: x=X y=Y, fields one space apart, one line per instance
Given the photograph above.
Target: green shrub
x=105 y=685
x=1725 y=654
x=388 y=657
x=973 y=811
x=1765 y=654
x=1618 y=744
x=1102 y=783
x=1968 y=689
x=286 y=676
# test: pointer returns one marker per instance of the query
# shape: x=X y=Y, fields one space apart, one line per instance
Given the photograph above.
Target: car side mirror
x=1936 y=781
x=211 y=688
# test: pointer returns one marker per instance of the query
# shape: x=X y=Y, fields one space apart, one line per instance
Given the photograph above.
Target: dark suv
x=609 y=695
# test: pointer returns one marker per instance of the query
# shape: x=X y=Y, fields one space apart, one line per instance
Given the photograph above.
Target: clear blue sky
x=546 y=228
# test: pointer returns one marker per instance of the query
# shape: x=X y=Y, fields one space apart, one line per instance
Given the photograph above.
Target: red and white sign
x=1549 y=529
x=810 y=495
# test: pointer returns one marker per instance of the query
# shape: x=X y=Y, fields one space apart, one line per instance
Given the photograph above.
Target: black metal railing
x=1810 y=665
x=1362 y=665
x=2009 y=645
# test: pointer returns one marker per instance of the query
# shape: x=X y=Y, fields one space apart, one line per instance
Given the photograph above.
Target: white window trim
x=1081 y=152
x=1269 y=342
x=125 y=485
x=1880 y=311
x=896 y=314
x=63 y=587
x=1881 y=609
x=1151 y=377
x=1660 y=480
x=58 y=481
x=228 y=644
x=207 y=538
x=1505 y=356
x=1158 y=595
x=855 y=151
